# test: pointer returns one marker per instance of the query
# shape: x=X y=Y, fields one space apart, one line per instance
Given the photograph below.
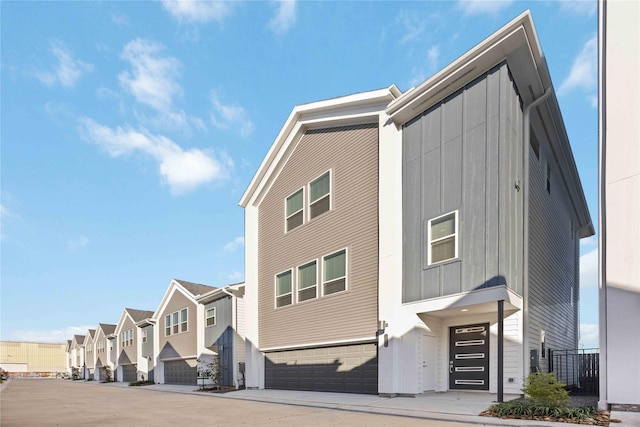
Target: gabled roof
x=79 y=339
x=68 y=345
x=235 y=289
x=107 y=328
x=139 y=315
x=517 y=44
x=358 y=108
x=89 y=336
x=195 y=289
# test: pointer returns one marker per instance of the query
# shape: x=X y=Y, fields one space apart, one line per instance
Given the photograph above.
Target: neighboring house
x=619 y=170
x=400 y=243
x=102 y=353
x=77 y=354
x=68 y=359
x=89 y=354
x=130 y=365
x=179 y=333
x=224 y=331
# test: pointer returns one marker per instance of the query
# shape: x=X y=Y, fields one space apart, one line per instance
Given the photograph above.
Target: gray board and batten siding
x=147 y=347
x=351 y=154
x=222 y=336
x=465 y=154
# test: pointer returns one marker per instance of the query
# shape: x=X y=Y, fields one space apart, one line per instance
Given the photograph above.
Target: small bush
x=140 y=383
x=544 y=390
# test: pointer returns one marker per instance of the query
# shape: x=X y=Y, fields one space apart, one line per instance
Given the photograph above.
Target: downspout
x=525 y=225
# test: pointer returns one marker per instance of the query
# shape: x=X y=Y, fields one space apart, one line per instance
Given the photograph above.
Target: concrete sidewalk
x=462 y=407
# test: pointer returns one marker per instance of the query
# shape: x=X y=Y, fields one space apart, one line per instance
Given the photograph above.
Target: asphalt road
x=41 y=402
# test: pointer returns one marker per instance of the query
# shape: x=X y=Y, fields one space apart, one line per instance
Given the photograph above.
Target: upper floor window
x=295 y=210
x=443 y=238
x=307 y=281
x=144 y=335
x=126 y=338
x=320 y=195
x=176 y=322
x=283 y=289
x=334 y=275
x=211 y=316
x=100 y=346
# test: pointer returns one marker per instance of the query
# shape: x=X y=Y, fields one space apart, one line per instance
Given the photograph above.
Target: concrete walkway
x=462 y=407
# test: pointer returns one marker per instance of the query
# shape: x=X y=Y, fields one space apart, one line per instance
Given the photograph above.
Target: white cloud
x=285 y=16
x=182 y=170
x=589 y=333
x=227 y=116
x=589 y=270
x=78 y=243
x=234 y=244
x=152 y=79
x=413 y=26
x=197 y=11
x=67 y=71
x=579 y=7
x=584 y=71
x=51 y=336
x=477 y=7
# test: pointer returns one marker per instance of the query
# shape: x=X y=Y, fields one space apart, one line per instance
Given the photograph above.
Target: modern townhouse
x=130 y=365
x=89 y=354
x=103 y=357
x=77 y=354
x=224 y=326
x=179 y=334
x=400 y=243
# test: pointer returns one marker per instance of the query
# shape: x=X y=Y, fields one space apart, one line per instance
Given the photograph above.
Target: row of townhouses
x=395 y=243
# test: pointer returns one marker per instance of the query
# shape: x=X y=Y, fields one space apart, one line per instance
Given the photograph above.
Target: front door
x=469 y=357
x=429 y=362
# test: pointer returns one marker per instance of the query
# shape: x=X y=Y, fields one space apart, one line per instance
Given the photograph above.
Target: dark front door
x=469 y=357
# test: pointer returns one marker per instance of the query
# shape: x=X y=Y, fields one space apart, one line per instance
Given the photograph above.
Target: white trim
x=366 y=340
x=178 y=323
x=173 y=359
x=456 y=238
x=206 y=317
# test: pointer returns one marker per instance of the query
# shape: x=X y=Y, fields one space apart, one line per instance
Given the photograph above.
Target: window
x=176 y=322
x=110 y=345
x=295 y=210
x=144 y=335
x=307 y=281
x=126 y=338
x=183 y=320
x=443 y=238
x=100 y=346
x=334 y=274
x=283 y=289
x=211 y=317
x=320 y=195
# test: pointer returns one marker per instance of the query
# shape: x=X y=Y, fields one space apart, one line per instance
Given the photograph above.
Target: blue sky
x=131 y=129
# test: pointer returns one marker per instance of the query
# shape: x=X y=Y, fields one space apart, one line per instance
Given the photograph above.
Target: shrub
x=544 y=390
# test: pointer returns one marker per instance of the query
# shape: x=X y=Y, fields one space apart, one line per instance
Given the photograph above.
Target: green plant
x=140 y=383
x=210 y=370
x=75 y=373
x=107 y=373
x=544 y=390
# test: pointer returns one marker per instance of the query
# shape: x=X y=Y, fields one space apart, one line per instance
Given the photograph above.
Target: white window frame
x=144 y=336
x=286 y=217
x=346 y=272
x=207 y=317
x=329 y=194
x=456 y=237
x=297 y=282
x=175 y=322
x=275 y=288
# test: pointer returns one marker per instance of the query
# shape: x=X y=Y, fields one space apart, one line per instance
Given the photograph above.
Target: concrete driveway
x=41 y=402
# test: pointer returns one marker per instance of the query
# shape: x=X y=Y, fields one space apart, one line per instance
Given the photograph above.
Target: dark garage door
x=181 y=372
x=129 y=373
x=350 y=369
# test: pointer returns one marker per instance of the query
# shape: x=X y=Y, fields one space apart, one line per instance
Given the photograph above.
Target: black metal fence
x=578 y=369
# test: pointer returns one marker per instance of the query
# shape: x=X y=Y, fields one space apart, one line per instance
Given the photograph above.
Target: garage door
x=129 y=373
x=181 y=372
x=346 y=369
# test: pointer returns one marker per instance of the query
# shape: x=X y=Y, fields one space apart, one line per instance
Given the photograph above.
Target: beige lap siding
x=351 y=153
x=128 y=354
x=184 y=343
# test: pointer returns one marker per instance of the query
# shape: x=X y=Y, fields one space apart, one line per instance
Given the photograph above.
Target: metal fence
x=578 y=369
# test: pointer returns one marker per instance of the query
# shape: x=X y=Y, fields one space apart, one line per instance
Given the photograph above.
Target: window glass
x=183 y=318
x=443 y=238
x=319 y=198
x=283 y=289
x=211 y=316
x=167 y=324
x=334 y=272
x=295 y=212
x=307 y=281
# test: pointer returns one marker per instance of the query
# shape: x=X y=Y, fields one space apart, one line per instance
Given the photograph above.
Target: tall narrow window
x=283 y=289
x=144 y=336
x=211 y=316
x=175 y=323
x=334 y=274
x=295 y=210
x=307 y=281
x=167 y=325
x=183 y=320
x=443 y=238
x=320 y=195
